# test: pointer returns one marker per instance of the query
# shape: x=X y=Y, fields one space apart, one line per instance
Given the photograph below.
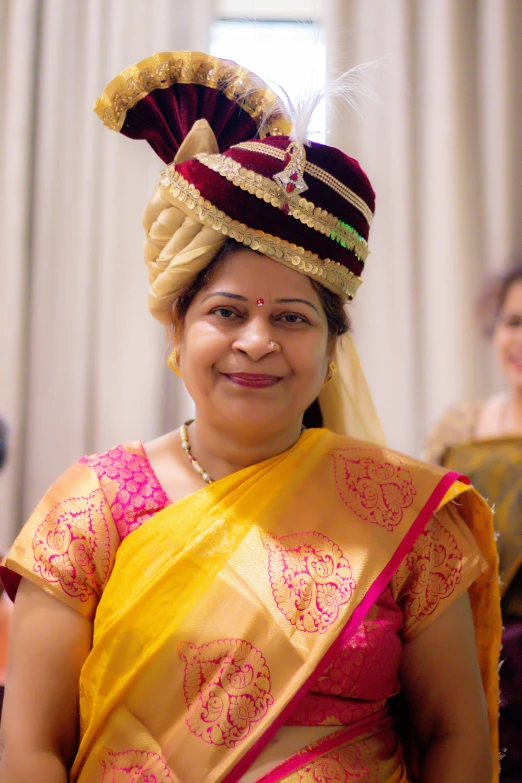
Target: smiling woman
x=483 y=438
x=243 y=598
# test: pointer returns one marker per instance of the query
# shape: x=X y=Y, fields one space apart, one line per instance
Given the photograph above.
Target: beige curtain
x=82 y=363
x=443 y=150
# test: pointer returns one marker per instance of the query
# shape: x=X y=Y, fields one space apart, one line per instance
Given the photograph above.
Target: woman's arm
x=443 y=689
x=48 y=645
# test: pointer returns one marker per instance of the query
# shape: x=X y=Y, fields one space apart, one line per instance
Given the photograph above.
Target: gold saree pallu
x=222 y=609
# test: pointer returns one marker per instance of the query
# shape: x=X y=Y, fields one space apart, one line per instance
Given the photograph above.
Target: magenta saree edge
x=355 y=619
x=322 y=746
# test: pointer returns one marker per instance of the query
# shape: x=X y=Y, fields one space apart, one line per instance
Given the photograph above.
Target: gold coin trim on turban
x=300 y=208
x=331 y=274
x=162 y=70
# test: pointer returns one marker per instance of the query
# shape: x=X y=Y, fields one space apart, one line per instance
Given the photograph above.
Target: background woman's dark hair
x=336 y=315
x=492 y=296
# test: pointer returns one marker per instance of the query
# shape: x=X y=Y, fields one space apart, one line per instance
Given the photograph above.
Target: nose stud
x=272 y=345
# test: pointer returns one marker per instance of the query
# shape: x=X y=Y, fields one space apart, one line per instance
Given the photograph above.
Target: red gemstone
x=290 y=187
x=285 y=208
x=260 y=302
x=294 y=176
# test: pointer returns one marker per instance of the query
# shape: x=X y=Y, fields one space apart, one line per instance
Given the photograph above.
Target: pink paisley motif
x=310 y=579
x=227 y=689
x=354 y=762
x=132 y=489
x=134 y=766
x=374 y=489
x=431 y=570
x=72 y=546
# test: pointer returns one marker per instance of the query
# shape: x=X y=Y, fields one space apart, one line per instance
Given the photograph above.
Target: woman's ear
x=332 y=345
x=175 y=335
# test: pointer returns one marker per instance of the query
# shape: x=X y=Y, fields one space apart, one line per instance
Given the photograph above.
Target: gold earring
x=173 y=363
x=332 y=369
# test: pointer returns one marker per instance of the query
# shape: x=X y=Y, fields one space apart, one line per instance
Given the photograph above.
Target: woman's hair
x=492 y=296
x=336 y=316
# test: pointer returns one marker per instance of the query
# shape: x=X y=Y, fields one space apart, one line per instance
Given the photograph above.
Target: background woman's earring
x=332 y=369
x=173 y=363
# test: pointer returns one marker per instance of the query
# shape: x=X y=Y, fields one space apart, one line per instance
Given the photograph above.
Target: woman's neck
x=222 y=450
x=512 y=411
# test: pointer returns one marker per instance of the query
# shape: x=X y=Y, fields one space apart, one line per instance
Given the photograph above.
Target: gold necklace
x=185 y=445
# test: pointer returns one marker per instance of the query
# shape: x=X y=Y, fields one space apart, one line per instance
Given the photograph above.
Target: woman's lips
x=252 y=380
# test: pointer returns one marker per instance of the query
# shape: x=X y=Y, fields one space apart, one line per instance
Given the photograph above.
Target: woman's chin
x=258 y=417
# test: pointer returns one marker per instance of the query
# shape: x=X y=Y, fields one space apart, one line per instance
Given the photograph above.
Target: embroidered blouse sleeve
x=443 y=563
x=69 y=543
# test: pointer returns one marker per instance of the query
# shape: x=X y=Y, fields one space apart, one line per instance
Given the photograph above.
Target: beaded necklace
x=185 y=445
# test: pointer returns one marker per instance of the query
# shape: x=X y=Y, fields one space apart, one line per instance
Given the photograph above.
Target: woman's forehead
x=252 y=271
x=513 y=298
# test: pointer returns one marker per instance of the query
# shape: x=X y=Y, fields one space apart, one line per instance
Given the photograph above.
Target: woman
x=484 y=440
x=260 y=592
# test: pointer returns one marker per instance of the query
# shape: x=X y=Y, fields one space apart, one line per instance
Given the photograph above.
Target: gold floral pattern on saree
x=310 y=579
x=134 y=766
x=72 y=545
x=227 y=689
x=354 y=762
x=374 y=489
x=431 y=571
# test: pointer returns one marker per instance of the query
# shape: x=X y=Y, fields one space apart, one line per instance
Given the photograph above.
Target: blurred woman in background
x=483 y=439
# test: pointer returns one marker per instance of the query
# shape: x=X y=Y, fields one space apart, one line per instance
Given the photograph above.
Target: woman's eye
x=293 y=318
x=513 y=321
x=225 y=312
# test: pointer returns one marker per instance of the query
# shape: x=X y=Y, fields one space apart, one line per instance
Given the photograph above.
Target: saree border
x=357 y=616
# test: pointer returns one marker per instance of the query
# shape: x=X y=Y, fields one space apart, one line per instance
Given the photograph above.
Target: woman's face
x=508 y=336
x=228 y=365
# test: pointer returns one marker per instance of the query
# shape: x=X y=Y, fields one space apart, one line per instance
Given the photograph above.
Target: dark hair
x=336 y=316
x=492 y=296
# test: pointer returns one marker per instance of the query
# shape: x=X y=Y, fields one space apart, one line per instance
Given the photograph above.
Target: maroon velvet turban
x=308 y=206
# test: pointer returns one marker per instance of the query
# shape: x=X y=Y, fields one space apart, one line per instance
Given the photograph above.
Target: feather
x=248 y=89
x=353 y=88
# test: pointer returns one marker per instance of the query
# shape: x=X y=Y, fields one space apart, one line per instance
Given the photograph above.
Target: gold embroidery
x=167 y=68
x=298 y=207
x=330 y=273
x=315 y=171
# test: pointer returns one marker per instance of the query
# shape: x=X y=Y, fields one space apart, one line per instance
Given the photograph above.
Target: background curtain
x=82 y=364
x=442 y=147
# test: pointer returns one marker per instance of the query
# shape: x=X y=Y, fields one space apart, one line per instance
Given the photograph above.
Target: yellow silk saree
x=221 y=610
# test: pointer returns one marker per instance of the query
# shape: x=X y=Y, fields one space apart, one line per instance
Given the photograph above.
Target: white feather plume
x=352 y=88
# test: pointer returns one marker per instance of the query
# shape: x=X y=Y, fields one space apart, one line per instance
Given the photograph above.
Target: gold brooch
x=291 y=180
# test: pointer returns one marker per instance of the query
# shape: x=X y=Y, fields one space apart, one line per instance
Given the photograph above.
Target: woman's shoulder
x=69 y=542
x=380 y=453
x=456 y=425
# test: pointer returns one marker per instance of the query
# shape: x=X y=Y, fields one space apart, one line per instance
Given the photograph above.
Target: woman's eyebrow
x=240 y=298
x=225 y=293
x=303 y=301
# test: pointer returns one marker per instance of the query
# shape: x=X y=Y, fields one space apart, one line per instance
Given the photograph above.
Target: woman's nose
x=255 y=339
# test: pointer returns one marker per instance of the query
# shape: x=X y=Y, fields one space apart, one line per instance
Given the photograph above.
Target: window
x=282 y=52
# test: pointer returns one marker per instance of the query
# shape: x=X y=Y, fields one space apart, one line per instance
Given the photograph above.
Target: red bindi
x=260 y=302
